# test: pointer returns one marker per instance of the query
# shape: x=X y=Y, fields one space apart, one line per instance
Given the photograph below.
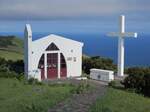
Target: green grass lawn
x=121 y=101
x=15 y=96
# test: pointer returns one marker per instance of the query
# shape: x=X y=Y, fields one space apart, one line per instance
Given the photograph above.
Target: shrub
x=20 y=77
x=138 y=83
x=134 y=81
x=9 y=65
x=97 y=62
x=138 y=80
x=11 y=69
x=7 y=74
x=16 y=66
x=146 y=85
x=138 y=70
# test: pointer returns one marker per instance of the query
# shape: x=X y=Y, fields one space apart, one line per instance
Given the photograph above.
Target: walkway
x=81 y=102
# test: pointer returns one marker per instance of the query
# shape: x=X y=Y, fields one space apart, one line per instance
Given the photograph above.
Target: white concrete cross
x=122 y=34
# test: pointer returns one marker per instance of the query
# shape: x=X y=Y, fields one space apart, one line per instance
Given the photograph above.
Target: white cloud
x=47 y=9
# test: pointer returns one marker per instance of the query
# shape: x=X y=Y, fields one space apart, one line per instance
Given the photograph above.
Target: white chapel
x=51 y=57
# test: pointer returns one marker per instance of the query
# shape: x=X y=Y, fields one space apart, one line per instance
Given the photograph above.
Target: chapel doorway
x=52 y=63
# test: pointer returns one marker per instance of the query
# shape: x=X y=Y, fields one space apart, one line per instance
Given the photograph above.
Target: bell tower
x=28 y=51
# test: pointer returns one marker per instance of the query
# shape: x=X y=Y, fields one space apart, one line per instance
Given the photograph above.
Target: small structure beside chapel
x=51 y=57
x=102 y=75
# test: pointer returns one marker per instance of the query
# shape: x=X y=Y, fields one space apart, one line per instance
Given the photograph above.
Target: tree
x=97 y=62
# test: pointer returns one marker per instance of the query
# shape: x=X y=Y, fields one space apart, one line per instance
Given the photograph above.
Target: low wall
x=103 y=75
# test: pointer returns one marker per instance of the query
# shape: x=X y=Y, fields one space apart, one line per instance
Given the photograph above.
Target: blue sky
x=74 y=16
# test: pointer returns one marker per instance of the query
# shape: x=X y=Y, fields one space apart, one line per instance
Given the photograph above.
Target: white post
x=45 y=65
x=121 y=47
x=59 y=65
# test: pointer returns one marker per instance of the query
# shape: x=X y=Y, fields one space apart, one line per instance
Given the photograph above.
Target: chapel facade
x=51 y=57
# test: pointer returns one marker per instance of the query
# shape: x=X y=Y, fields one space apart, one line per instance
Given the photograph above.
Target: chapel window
x=52 y=47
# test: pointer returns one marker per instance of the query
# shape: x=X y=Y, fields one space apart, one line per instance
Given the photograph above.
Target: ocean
x=137 y=50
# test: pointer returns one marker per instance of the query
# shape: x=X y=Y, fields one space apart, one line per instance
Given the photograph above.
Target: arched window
x=41 y=66
x=52 y=47
x=41 y=62
x=63 y=66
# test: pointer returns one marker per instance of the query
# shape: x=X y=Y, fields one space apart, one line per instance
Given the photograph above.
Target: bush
x=16 y=66
x=138 y=80
x=138 y=70
x=11 y=75
x=97 y=62
x=139 y=83
x=11 y=69
x=146 y=85
x=9 y=65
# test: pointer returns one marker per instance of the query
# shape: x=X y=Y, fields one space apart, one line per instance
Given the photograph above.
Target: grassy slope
x=9 y=55
x=13 y=49
x=18 y=97
x=121 y=101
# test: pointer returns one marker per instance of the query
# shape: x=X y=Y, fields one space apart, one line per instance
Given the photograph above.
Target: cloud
x=63 y=9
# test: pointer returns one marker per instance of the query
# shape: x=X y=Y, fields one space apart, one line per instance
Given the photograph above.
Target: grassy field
x=121 y=101
x=11 y=48
x=15 y=96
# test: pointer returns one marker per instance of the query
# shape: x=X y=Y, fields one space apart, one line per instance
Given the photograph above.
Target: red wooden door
x=52 y=65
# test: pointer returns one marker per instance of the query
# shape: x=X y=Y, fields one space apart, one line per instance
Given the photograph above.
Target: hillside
x=11 y=48
x=116 y=100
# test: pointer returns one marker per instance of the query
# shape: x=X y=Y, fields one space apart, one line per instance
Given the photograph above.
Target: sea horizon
x=100 y=45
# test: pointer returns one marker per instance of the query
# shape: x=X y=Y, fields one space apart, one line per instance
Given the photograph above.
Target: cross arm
x=117 y=34
x=130 y=34
x=113 y=34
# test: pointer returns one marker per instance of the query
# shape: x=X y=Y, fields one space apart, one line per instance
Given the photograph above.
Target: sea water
x=137 y=50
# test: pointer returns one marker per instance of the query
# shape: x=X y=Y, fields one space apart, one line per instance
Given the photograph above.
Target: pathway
x=81 y=102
